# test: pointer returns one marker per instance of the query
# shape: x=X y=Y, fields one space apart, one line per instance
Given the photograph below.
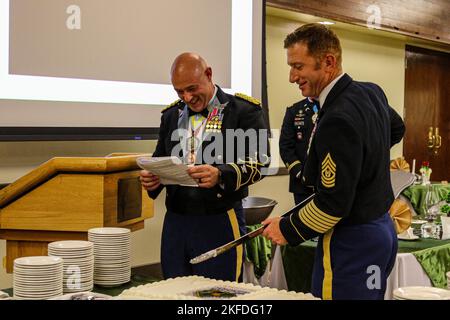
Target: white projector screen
x=99 y=69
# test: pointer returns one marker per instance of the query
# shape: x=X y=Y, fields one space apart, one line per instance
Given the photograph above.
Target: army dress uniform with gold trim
x=296 y=130
x=201 y=219
x=348 y=169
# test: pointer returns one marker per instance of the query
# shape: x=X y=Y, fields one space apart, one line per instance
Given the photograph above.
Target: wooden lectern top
x=114 y=162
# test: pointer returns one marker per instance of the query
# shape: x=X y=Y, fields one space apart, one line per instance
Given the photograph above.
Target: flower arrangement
x=425 y=171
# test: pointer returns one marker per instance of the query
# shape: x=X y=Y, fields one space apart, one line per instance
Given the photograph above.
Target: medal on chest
x=314 y=117
x=299 y=119
x=215 y=119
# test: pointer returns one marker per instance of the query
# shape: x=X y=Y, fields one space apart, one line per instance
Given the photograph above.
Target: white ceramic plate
x=412 y=238
x=422 y=293
x=71 y=245
x=418 y=221
x=85 y=295
x=76 y=260
x=108 y=231
x=38 y=261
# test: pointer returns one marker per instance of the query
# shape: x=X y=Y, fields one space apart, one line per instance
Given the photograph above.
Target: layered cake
x=196 y=287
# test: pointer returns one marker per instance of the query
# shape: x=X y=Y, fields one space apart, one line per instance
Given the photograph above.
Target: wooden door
x=427 y=110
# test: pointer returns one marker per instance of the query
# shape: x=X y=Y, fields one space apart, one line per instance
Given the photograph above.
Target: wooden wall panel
x=424 y=19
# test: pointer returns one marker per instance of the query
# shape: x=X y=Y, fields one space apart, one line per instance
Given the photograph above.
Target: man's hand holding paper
x=164 y=170
x=149 y=181
x=206 y=175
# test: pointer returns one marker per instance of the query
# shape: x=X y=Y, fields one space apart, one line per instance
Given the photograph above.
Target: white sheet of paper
x=169 y=169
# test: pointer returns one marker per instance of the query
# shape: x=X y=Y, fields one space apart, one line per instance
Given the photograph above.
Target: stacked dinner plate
x=421 y=293
x=78 y=259
x=38 y=277
x=112 y=253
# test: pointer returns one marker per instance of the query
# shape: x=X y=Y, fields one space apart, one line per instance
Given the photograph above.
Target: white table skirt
x=407 y=271
x=273 y=277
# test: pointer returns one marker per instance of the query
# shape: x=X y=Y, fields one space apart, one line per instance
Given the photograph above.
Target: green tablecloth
x=436 y=263
x=298 y=261
x=136 y=280
x=258 y=251
x=416 y=195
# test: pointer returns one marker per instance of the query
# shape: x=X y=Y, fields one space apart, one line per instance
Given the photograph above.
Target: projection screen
x=99 y=69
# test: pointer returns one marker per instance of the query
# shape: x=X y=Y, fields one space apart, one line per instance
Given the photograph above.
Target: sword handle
x=256 y=232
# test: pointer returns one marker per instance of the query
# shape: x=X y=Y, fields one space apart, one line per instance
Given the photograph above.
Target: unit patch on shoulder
x=328 y=172
x=248 y=98
x=171 y=105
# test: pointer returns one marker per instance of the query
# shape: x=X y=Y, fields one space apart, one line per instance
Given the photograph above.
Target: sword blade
x=230 y=245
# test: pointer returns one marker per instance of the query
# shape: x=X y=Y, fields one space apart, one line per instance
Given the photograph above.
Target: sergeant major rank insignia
x=328 y=172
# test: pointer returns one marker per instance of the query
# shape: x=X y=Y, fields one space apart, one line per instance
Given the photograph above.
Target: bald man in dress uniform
x=199 y=219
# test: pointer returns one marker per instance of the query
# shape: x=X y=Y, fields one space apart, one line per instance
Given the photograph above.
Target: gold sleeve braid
x=293 y=164
x=317 y=220
x=247 y=172
x=295 y=228
x=238 y=175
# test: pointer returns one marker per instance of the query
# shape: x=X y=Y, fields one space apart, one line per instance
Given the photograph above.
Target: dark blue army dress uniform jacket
x=296 y=130
x=240 y=112
x=348 y=163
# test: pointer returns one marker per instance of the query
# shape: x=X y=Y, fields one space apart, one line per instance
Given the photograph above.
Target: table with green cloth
x=433 y=255
x=416 y=195
x=258 y=252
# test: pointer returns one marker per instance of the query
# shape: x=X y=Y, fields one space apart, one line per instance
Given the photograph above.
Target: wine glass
x=432 y=203
x=431 y=229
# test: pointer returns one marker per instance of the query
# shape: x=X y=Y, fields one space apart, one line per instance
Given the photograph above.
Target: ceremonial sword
x=230 y=245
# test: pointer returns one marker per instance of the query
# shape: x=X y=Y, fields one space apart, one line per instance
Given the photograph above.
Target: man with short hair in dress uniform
x=206 y=128
x=296 y=130
x=347 y=169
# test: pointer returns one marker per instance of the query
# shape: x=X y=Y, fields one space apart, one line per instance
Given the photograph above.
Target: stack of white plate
x=38 y=277
x=421 y=293
x=78 y=259
x=112 y=253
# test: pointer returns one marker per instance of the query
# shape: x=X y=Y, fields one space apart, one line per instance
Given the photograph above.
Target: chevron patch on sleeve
x=328 y=172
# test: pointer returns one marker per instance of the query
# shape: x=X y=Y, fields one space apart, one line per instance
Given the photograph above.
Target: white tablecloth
x=407 y=271
x=273 y=277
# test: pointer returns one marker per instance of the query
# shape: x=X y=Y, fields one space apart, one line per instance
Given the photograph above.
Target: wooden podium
x=65 y=197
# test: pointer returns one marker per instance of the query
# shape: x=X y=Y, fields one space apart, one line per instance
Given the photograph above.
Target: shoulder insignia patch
x=171 y=105
x=328 y=172
x=248 y=98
